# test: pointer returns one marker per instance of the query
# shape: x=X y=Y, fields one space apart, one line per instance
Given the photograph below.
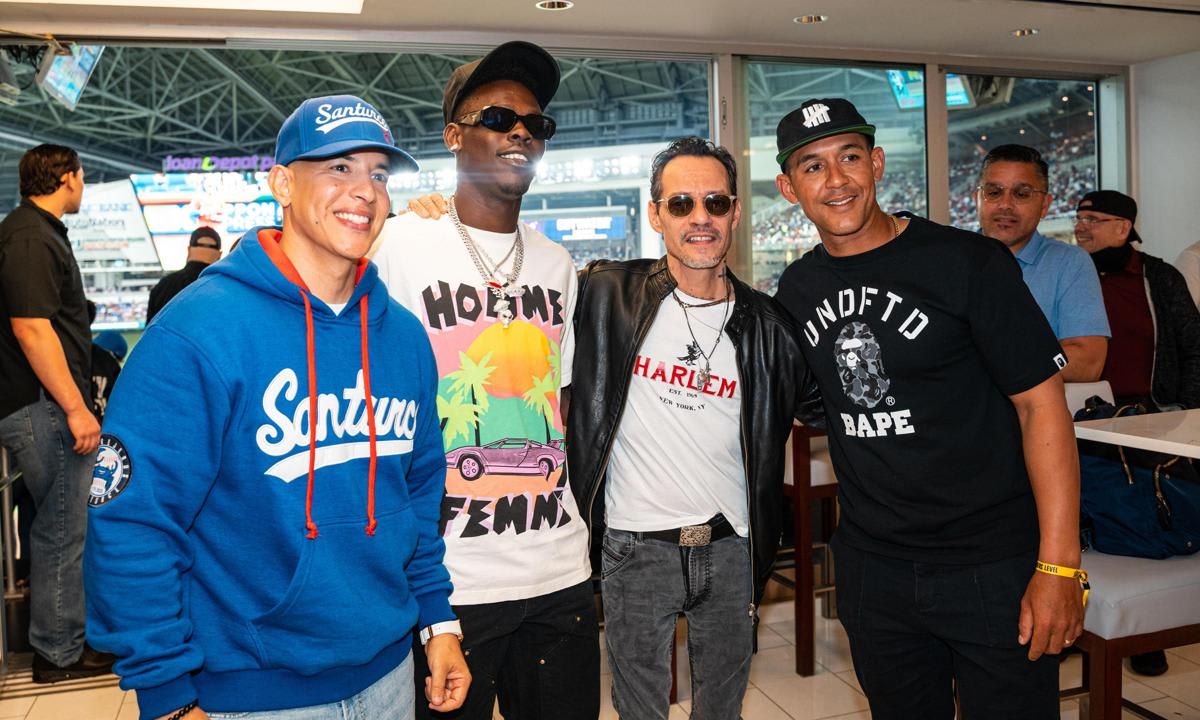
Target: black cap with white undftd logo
x=816 y=119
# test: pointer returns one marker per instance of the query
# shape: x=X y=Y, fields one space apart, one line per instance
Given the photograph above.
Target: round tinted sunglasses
x=716 y=204
x=502 y=119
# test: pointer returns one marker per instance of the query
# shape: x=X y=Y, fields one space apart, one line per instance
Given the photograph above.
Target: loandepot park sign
x=217 y=163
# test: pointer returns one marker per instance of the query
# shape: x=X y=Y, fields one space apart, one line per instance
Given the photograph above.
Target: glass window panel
x=892 y=99
x=1057 y=117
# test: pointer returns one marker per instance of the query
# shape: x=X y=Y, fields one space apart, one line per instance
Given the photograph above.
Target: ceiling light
x=983 y=137
x=554 y=5
x=1065 y=98
x=1021 y=131
x=1090 y=88
x=810 y=19
x=1024 y=32
x=1090 y=113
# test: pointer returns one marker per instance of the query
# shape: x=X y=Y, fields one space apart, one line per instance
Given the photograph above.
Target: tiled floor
x=775 y=692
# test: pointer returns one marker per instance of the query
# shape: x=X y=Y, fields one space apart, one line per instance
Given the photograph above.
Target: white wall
x=1166 y=104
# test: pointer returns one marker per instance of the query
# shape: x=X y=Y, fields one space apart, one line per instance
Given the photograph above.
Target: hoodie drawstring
x=366 y=369
x=311 y=351
x=269 y=241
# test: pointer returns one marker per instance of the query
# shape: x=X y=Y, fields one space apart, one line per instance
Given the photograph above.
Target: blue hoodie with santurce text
x=252 y=544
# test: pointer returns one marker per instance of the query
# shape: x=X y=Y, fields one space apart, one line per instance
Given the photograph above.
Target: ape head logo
x=860 y=365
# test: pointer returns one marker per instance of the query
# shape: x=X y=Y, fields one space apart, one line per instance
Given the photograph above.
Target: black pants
x=540 y=656
x=917 y=631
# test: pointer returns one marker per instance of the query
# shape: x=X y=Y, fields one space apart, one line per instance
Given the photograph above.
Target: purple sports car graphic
x=510 y=456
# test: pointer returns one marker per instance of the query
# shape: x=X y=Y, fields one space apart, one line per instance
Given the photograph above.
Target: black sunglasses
x=502 y=119
x=717 y=204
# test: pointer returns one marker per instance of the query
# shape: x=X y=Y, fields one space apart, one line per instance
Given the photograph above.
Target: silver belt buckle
x=695 y=535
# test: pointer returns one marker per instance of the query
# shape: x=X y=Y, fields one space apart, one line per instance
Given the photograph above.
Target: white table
x=1177 y=433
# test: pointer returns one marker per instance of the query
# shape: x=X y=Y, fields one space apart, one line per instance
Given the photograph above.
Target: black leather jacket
x=616 y=306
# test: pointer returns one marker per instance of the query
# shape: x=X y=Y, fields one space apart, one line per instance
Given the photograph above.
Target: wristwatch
x=442 y=628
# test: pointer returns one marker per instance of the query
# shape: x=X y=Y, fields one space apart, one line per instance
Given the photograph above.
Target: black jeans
x=540 y=656
x=919 y=630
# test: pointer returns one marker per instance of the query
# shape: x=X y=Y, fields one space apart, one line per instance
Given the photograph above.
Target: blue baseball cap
x=113 y=342
x=334 y=125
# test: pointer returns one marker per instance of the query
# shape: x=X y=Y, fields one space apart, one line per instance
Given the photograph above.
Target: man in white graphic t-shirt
x=686 y=381
x=496 y=297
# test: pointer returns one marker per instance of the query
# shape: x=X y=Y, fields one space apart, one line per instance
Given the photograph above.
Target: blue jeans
x=388 y=698
x=646 y=585
x=920 y=630
x=41 y=444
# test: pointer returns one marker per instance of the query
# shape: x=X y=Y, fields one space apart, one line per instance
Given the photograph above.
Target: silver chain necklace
x=502 y=285
x=694 y=349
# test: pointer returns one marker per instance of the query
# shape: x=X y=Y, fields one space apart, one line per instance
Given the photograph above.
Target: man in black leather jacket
x=686 y=383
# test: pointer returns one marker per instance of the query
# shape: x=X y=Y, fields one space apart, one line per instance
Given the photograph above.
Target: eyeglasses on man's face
x=1090 y=220
x=992 y=192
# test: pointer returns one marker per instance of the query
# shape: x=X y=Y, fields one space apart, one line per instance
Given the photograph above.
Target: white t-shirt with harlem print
x=509 y=519
x=677 y=456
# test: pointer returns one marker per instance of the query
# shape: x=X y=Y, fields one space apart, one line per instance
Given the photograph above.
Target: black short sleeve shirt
x=917 y=346
x=39 y=278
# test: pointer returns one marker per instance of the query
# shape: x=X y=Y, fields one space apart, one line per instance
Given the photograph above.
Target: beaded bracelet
x=178 y=714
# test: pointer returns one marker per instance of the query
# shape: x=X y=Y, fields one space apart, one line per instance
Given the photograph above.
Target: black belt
x=693 y=535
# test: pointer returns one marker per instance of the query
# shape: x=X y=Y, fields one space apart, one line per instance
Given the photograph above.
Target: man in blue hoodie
x=224 y=577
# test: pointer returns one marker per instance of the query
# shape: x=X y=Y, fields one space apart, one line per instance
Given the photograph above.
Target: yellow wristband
x=1075 y=573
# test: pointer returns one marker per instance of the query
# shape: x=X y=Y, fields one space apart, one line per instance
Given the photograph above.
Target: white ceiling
x=963 y=31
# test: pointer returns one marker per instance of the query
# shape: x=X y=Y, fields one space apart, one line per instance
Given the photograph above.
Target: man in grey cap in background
x=497 y=298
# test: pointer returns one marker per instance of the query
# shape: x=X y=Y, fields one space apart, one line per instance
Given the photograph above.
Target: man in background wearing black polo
x=204 y=249
x=46 y=419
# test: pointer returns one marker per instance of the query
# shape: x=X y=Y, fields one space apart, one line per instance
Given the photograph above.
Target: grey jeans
x=41 y=444
x=646 y=585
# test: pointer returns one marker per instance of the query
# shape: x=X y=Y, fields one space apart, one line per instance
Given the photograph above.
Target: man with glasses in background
x=685 y=385
x=1155 y=350
x=1012 y=197
x=1154 y=355
x=496 y=298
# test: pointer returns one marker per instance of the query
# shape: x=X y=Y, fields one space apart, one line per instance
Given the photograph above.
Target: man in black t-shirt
x=46 y=418
x=950 y=439
x=204 y=249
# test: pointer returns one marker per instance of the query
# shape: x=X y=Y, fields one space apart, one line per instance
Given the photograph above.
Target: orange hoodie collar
x=269 y=239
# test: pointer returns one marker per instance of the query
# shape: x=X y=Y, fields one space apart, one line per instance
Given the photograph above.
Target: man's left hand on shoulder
x=431 y=206
x=1051 y=614
x=449 y=678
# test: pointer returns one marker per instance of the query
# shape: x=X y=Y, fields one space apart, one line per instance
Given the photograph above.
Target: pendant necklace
x=501 y=284
x=694 y=350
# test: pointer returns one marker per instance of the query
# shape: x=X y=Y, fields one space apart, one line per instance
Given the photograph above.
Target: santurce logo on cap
x=815 y=115
x=331 y=117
